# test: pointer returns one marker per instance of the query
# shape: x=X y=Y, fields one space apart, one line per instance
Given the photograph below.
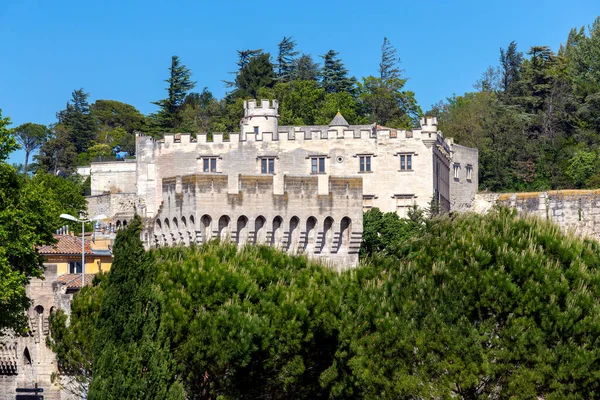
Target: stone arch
x=327 y=238
x=242 y=230
x=38 y=322
x=183 y=221
x=118 y=225
x=260 y=230
x=175 y=224
x=205 y=223
x=311 y=234
x=124 y=223
x=167 y=231
x=277 y=231
x=345 y=233
x=224 y=222
x=27 y=357
x=293 y=233
x=192 y=222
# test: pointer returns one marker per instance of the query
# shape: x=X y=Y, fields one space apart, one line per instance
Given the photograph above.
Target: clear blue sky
x=121 y=50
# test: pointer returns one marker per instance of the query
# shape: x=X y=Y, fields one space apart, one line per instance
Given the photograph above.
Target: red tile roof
x=66 y=245
x=73 y=281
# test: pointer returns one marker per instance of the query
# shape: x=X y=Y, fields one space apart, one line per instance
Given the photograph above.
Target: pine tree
x=511 y=60
x=179 y=85
x=31 y=137
x=77 y=121
x=305 y=69
x=129 y=359
x=257 y=74
x=388 y=67
x=334 y=76
x=286 y=59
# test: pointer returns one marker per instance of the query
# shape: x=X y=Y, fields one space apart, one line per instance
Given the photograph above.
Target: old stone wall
x=576 y=211
x=113 y=177
x=118 y=206
x=321 y=218
x=463 y=178
x=32 y=362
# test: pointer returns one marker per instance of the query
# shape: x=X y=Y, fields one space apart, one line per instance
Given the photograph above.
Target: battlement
x=429 y=124
x=265 y=108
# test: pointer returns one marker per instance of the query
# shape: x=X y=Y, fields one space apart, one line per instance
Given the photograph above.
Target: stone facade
x=307 y=176
x=464 y=179
x=576 y=211
x=25 y=360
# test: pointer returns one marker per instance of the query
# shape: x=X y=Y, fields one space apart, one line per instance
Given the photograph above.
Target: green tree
x=305 y=69
x=129 y=360
x=31 y=137
x=249 y=324
x=583 y=165
x=256 y=74
x=334 y=75
x=286 y=61
x=72 y=339
x=27 y=219
x=58 y=154
x=8 y=144
x=510 y=61
x=180 y=84
x=77 y=122
x=495 y=306
x=388 y=67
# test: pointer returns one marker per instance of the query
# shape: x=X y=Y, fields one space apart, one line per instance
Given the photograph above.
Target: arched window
x=311 y=234
x=205 y=226
x=259 y=230
x=292 y=244
x=277 y=232
x=345 y=232
x=242 y=230
x=327 y=239
x=224 y=227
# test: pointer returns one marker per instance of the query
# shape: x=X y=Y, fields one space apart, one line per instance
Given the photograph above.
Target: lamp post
x=83 y=221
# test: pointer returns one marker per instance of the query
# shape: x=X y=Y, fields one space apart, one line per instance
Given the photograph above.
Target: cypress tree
x=131 y=361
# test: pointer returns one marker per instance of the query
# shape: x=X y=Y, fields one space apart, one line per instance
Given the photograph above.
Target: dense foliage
x=468 y=306
x=29 y=214
x=535 y=118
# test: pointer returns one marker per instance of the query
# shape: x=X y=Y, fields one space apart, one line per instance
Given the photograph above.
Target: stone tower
x=259 y=119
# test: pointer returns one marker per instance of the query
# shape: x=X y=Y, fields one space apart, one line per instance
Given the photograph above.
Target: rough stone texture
x=113 y=177
x=463 y=189
x=196 y=208
x=118 y=206
x=34 y=361
x=576 y=211
x=240 y=156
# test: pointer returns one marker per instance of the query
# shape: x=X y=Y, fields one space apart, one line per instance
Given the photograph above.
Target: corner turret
x=259 y=119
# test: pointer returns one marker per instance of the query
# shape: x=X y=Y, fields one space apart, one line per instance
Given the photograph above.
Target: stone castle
x=300 y=188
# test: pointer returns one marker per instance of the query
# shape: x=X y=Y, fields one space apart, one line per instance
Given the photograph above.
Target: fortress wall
x=113 y=176
x=573 y=210
x=340 y=146
x=462 y=189
x=197 y=208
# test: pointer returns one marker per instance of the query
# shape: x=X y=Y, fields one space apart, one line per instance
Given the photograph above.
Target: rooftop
x=73 y=281
x=66 y=245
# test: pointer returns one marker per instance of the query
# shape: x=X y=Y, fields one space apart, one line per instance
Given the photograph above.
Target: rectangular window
x=74 y=267
x=403 y=204
x=365 y=163
x=469 y=172
x=405 y=162
x=256 y=130
x=457 y=171
x=317 y=165
x=267 y=165
x=209 y=164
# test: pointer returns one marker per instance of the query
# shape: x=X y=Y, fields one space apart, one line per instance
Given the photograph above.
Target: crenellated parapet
x=321 y=218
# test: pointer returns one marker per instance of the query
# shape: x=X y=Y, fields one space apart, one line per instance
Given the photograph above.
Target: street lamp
x=83 y=221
